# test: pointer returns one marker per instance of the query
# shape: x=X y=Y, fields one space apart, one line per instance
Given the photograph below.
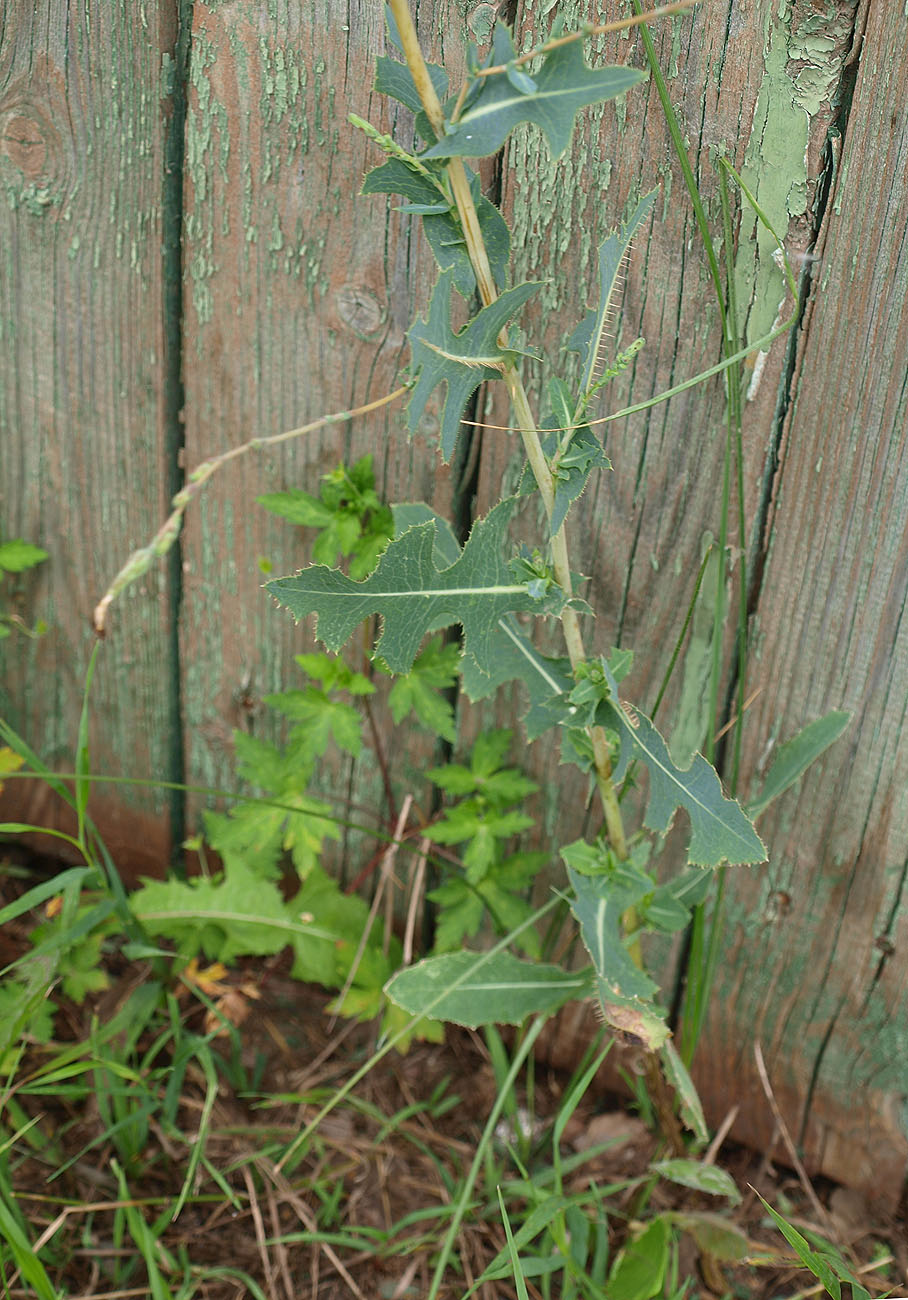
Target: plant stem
x=460 y=189
x=141 y=560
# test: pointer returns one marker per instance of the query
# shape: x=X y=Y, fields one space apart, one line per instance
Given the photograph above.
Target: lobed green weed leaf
x=420 y=690
x=461 y=361
x=415 y=597
x=394 y=79
x=563 y=85
x=351 y=518
x=502 y=894
x=426 y=195
x=17 y=555
x=720 y=829
x=588 y=337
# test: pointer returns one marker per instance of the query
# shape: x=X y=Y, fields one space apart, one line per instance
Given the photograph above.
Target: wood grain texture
x=640 y=531
x=83 y=116
x=298 y=297
x=816 y=959
x=823 y=987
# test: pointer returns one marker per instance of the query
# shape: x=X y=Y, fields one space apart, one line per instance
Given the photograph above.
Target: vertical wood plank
x=734 y=75
x=816 y=959
x=298 y=295
x=83 y=437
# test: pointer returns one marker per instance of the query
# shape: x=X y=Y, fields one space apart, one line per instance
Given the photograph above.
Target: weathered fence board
x=778 y=112
x=641 y=531
x=815 y=957
x=298 y=296
x=83 y=391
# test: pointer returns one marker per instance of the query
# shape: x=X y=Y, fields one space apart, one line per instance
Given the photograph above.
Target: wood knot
x=36 y=158
x=359 y=309
x=22 y=140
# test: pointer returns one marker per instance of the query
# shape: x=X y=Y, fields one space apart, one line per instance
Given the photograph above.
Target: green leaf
x=428 y=198
x=410 y=179
x=414 y=597
x=322 y=719
x=461 y=361
x=475 y=989
x=334 y=674
x=242 y=915
x=460 y=912
x=238 y=915
x=669 y=907
x=255 y=834
x=563 y=85
x=331 y=925
x=418 y=691
x=639 y=1270
x=17 y=555
x=446 y=240
x=394 y=79
x=715 y=1235
x=512 y=656
x=819 y=1265
x=796 y=755
x=297 y=508
x=720 y=829
x=625 y=991
x=410 y=513
x=481 y=828
x=588 y=336
x=703 y=1178
x=572 y=472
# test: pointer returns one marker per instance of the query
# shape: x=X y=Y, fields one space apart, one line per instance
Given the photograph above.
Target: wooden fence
x=183 y=265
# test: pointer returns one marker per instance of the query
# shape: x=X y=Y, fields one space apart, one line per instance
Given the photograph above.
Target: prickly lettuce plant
x=495 y=591
x=498 y=593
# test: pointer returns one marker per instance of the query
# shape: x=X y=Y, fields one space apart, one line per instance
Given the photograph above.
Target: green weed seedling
x=17 y=556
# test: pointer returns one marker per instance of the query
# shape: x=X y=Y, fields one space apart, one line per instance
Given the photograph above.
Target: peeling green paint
x=276 y=242
x=802 y=62
x=676 y=49
x=206 y=122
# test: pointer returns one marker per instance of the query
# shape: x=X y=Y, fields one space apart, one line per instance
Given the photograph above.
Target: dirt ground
x=362 y=1210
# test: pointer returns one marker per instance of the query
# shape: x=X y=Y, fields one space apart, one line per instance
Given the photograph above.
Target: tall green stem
x=539 y=465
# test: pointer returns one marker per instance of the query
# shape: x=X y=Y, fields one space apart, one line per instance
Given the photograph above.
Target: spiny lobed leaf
x=582 y=452
x=461 y=361
x=625 y=991
x=563 y=85
x=414 y=596
x=720 y=829
x=587 y=337
x=512 y=655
